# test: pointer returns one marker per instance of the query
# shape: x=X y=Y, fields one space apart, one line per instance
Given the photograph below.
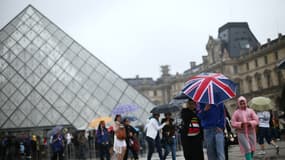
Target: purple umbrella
x=124 y=108
x=54 y=130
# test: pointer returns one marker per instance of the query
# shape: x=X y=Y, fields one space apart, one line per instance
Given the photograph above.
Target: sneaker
x=277 y=149
x=261 y=152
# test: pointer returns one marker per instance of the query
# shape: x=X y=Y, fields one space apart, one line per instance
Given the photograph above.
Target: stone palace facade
x=238 y=55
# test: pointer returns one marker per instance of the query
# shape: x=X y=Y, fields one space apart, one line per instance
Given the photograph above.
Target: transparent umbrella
x=260 y=103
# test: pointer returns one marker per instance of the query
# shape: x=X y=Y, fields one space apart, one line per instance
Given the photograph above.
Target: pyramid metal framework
x=48 y=79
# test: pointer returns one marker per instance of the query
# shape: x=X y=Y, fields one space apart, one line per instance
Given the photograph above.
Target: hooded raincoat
x=246 y=133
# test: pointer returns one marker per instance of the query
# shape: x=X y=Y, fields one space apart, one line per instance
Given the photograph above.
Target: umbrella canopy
x=179 y=99
x=54 y=130
x=260 y=103
x=95 y=122
x=124 y=108
x=130 y=118
x=209 y=88
x=165 y=108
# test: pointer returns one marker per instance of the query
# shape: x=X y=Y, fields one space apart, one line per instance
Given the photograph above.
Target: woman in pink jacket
x=245 y=121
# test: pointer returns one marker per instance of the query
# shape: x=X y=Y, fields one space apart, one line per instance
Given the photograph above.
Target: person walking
x=152 y=135
x=102 y=137
x=191 y=133
x=57 y=144
x=82 y=140
x=245 y=120
x=168 y=137
x=264 y=131
x=120 y=145
x=212 y=118
x=131 y=140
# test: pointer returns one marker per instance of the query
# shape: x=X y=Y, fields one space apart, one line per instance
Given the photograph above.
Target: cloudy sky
x=136 y=37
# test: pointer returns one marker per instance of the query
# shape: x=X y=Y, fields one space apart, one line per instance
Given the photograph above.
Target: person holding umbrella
x=168 y=136
x=210 y=90
x=120 y=145
x=131 y=140
x=57 y=145
x=212 y=118
x=262 y=105
x=102 y=135
x=264 y=131
x=245 y=120
x=191 y=133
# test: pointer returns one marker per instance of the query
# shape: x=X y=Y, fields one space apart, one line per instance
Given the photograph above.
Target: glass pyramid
x=48 y=79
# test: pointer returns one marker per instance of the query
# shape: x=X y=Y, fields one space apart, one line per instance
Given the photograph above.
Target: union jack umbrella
x=210 y=88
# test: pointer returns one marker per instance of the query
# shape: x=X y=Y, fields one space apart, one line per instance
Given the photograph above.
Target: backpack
x=121 y=133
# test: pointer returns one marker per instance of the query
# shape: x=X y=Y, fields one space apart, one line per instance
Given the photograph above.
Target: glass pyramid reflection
x=48 y=79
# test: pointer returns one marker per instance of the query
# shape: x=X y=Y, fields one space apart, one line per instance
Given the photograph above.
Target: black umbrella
x=179 y=99
x=181 y=96
x=165 y=108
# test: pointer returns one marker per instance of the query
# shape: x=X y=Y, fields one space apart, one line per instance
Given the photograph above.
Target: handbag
x=121 y=133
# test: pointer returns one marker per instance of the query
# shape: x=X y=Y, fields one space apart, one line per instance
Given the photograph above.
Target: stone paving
x=234 y=153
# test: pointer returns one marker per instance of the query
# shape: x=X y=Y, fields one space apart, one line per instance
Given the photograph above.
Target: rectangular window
x=154 y=93
x=276 y=55
x=256 y=63
x=265 y=60
x=235 y=69
x=247 y=66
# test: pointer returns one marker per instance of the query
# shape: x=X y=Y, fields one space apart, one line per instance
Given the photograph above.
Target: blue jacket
x=102 y=136
x=214 y=117
x=57 y=143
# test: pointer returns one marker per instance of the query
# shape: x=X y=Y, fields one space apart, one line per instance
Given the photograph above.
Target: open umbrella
x=165 y=108
x=260 y=103
x=95 y=122
x=179 y=99
x=209 y=88
x=54 y=130
x=130 y=118
x=124 y=108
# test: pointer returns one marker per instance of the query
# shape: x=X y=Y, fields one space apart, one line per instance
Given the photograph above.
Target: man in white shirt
x=152 y=135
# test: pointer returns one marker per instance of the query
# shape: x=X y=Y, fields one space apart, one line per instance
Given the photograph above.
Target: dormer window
x=244 y=44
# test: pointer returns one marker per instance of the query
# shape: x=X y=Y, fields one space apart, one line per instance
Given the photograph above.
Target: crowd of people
x=208 y=129
x=76 y=144
x=205 y=129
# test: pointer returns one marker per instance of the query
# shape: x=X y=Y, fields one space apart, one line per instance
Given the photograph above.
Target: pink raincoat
x=246 y=134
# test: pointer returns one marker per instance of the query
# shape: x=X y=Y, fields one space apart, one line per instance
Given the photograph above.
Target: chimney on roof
x=165 y=70
x=205 y=59
x=192 y=64
x=268 y=40
x=279 y=35
x=137 y=76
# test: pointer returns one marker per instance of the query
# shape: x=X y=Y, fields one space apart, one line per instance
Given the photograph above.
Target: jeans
x=158 y=146
x=214 y=139
x=104 y=151
x=151 y=144
x=170 y=147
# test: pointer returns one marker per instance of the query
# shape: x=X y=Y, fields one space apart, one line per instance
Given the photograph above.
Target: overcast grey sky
x=135 y=37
